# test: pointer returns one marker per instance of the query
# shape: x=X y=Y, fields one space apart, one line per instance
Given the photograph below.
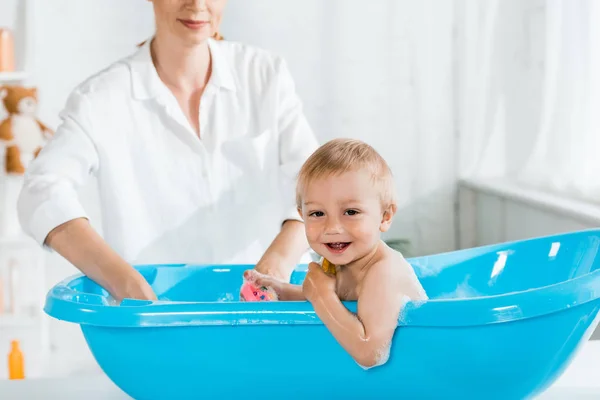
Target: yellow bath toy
x=328 y=267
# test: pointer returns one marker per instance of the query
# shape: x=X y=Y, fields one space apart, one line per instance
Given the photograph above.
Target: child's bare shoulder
x=389 y=260
x=393 y=269
x=385 y=267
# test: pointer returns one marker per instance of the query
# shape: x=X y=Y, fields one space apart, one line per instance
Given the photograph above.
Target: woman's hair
x=216 y=36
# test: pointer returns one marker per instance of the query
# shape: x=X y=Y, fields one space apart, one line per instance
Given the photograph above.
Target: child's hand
x=259 y=279
x=285 y=291
x=317 y=283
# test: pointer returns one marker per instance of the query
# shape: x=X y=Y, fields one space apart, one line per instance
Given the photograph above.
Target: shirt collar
x=222 y=74
x=147 y=84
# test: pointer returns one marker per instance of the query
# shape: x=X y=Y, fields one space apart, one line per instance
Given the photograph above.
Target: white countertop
x=581 y=381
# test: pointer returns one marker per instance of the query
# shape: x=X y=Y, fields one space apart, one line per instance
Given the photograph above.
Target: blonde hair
x=343 y=155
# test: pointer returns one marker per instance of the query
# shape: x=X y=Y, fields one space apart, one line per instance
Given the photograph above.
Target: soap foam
x=382 y=357
x=463 y=290
x=423 y=269
x=111 y=301
x=226 y=297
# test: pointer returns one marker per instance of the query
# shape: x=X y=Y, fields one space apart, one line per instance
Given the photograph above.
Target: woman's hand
x=83 y=247
x=317 y=283
x=135 y=287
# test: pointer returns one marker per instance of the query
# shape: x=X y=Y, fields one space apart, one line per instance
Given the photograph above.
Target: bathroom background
x=484 y=110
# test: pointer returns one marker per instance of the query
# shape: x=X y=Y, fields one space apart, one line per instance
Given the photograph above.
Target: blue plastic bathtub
x=503 y=322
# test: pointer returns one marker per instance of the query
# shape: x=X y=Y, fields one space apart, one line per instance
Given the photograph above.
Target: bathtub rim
x=64 y=303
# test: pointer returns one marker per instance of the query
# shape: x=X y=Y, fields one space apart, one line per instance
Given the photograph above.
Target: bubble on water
x=111 y=301
x=382 y=356
x=463 y=290
x=405 y=300
x=225 y=297
x=424 y=269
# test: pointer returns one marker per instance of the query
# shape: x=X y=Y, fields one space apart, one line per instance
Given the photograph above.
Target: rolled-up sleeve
x=49 y=195
x=297 y=140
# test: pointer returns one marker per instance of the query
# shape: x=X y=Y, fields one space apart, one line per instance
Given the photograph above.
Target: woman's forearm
x=348 y=330
x=83 y=247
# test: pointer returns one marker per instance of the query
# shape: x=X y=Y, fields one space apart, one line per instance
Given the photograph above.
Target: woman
x=195 y=144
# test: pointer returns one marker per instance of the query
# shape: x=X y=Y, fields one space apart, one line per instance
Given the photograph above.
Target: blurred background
x=487 y=112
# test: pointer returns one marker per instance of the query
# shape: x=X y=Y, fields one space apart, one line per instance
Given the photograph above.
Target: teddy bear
x=21 y=132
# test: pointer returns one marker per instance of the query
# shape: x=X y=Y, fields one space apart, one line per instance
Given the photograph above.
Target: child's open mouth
x=337 y=247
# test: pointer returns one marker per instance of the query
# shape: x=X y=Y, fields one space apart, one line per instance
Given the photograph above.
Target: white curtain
x=565 y=158
x=529 y=93
x=479 y=97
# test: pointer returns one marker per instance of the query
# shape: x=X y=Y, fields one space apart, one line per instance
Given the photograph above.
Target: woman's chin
x=193 y=36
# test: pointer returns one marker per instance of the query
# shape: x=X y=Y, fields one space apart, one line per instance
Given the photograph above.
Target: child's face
x=343 y=216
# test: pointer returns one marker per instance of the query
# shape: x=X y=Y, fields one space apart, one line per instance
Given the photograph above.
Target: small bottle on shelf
x=16 y=365
x=7 y=56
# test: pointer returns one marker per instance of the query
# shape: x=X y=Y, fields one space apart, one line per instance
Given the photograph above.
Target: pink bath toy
x=249 y=292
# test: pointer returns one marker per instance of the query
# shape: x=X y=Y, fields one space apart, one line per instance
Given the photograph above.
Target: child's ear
x=386 y=219
x=299 y=211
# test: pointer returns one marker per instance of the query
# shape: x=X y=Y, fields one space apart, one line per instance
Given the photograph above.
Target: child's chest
x=347 y=287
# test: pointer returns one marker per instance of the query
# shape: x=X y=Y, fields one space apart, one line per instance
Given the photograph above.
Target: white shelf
x=12 y=76
x=13 y=321
x=28 y=324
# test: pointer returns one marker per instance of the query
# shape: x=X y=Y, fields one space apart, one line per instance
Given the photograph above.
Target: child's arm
x=285 y=291
x=366 y=337
x=289 y=292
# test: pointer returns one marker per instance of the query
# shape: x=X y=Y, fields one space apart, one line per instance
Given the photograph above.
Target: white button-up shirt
x=166 y=195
